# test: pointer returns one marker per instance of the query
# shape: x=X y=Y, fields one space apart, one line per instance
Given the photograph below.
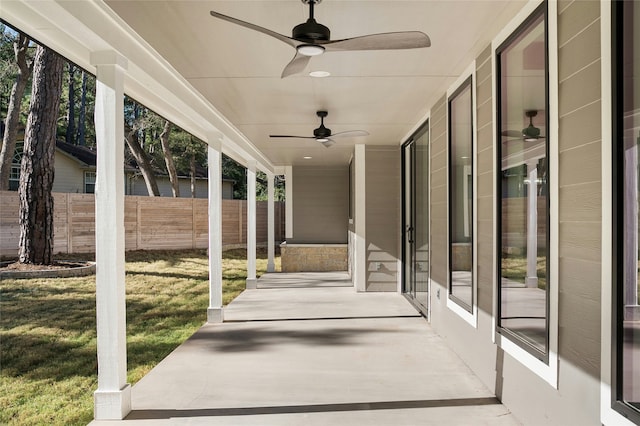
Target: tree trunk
x=143 y=162
x=82 y=117
x=71 y=111
x=13 y=111
x=37 y=168
x=168 y=159
x=192 y=165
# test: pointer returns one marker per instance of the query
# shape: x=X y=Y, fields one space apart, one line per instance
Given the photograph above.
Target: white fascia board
x=78 y=28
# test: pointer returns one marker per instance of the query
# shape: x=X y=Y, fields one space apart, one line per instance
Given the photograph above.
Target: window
x=461 y=279
x=626 y=256
x=523 y=181
x=14 y=173
x=89 y=182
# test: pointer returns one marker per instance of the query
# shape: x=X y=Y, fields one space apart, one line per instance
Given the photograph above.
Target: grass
x=48 y=368
x=515 y=268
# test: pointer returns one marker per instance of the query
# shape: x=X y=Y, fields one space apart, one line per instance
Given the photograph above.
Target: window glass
x=89 y=182
x=461 y=197
x=628 y=139
x=523 y=308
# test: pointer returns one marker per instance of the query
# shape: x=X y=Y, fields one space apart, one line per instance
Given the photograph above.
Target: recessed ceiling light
x=319 y=73
x=306 y=157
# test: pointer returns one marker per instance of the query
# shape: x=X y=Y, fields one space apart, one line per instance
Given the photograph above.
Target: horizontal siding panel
x=581 y=89
x=581 y=51
x=581 y=165
x=581 y=202
x=575 y=17
x=580 y=127
x=580 y=240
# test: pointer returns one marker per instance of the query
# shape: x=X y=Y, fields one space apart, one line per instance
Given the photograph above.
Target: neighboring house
x=75 y=171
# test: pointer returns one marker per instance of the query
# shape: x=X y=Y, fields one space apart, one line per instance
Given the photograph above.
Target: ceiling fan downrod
x=311 y=31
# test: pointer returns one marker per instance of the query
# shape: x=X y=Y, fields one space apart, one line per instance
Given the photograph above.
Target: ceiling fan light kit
x=310 y=49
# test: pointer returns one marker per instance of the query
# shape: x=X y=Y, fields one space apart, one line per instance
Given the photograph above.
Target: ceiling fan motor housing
x=322 y=132
x=311 y=31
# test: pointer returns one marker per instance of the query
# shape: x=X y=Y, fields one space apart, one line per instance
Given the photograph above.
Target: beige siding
x=320 y=205
x=69 y=176
x=382 y=217
x=579 y=183
x=439 y=238
x=484 y=195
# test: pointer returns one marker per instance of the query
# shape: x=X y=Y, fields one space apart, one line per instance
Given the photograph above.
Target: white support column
x=112 y=399
x=251 y=225
x=531 y=279
x=215 y=312
x=288 y=213
x=271 y=266
x=360 y=249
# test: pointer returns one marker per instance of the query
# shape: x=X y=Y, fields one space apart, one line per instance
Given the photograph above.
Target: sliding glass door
x=415 y=162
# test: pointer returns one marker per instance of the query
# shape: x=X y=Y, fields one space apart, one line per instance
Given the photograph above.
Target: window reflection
x=523 y=183
x=629 y=288
x=461 y=196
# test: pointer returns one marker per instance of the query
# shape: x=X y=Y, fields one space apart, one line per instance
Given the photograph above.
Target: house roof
x=82 y=154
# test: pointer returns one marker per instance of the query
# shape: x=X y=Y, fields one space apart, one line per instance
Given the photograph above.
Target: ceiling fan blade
x=288 y=40
x=512 y=133
x=291 y=136
x=350 y=133
x=296 y=66
x=328 y=143
x=383 y=41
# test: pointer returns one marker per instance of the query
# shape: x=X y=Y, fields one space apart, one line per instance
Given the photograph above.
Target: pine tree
x=37 y=168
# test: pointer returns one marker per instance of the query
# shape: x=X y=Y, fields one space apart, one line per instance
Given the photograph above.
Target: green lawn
x=515 y=268
x=48 y=330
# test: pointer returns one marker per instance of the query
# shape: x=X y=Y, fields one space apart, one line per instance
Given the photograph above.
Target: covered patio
x=304 y=349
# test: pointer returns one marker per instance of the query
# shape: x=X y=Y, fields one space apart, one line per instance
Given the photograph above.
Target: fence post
x=68 y=224
x=138 y=224
x=193 y=223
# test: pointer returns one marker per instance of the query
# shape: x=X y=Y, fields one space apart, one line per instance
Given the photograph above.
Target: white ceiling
x=386 y=93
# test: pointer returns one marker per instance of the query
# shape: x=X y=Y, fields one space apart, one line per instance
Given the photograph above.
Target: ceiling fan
x=323 y=134
x=529 y=133
x=312 y=38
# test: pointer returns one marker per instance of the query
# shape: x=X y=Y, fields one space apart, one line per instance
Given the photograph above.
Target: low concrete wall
x=313 y=257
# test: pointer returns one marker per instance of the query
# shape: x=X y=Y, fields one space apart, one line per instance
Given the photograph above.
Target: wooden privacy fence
x=150 y=223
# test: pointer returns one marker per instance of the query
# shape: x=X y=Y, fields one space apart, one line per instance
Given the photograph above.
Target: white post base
x=632 y=313
x=112 y=405
x=252 y=283
x=215 y=315
x=271 y=267
x=531 y=282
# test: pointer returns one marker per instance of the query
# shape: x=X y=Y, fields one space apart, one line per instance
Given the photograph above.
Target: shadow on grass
x=185 y=276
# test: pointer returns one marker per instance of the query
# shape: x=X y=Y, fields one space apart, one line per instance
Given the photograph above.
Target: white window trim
x=608 y=416
x=548 y=372
x=470 y=317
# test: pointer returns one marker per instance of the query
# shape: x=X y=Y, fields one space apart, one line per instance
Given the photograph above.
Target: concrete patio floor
x=306 y=349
